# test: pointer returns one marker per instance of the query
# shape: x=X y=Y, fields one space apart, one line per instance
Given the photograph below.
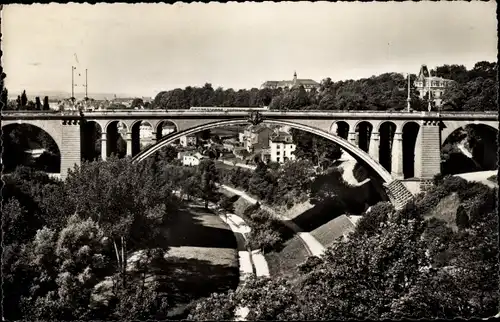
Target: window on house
x=277 y=152
x=278 y=159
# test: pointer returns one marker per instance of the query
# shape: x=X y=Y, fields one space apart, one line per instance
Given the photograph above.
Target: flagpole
x=86 y=85
x=73 y=83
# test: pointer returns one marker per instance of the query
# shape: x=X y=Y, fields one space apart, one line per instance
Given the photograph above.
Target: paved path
x=248 y=260
x=480 y=176
x=313 y=246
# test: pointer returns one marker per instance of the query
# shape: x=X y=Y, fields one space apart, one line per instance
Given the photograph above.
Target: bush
x=461 y=218
x=311 y=263
x=371 y=220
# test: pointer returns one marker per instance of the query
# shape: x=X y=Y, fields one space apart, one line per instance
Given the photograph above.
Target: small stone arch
x=357 y=123
x=54 y=157
x=364 y=130
x=410 y=135
x=476 y=153
x=138 y=141
x=448 y=127
x=159 y=127
x=386 y=130
x=91 y=140
x=115 y=121
x=340 y=128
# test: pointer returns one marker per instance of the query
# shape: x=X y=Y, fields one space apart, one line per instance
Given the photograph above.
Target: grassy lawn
x=284 y=262
x=202 y=258
x=327 y=233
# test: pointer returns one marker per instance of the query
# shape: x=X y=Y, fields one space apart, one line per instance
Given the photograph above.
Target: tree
x=226 y=204
x=461 y=218
x=4 y=99
x=208 y=176
x=117 y=194
x=453 y=97
x=318 y=150
x=137 y=102
x=46 y=103
x=24 y=99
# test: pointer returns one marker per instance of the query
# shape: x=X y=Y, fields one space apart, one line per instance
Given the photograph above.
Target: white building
x=191 y=158
x=241 y=137
x=188 y=140
x=437 y=85
x=145 y=131
x=281 y=147
x=167 y=129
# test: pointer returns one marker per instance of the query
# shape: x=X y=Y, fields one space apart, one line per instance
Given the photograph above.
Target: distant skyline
x=142 y=49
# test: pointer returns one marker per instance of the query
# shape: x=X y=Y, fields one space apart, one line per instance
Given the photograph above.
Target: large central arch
x=351 y=149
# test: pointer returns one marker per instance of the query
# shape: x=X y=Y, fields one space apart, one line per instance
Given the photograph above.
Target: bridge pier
x=374 y=146
x=397 y=156
x=104 y=146
x=70 y=148
x=429 y=152
x=129 y=143
x=353 y=138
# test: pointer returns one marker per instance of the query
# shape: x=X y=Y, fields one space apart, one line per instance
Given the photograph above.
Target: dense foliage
x=64 y=238
x=281 y=186
x=398 y=264
x=475 y=90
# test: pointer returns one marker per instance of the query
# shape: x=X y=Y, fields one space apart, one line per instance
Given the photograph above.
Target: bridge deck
x=239 y=113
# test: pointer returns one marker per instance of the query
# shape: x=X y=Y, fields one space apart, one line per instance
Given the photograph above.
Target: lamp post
x=408 y=107
x=73 y=84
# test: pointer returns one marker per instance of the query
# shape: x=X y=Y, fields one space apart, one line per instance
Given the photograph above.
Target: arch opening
x=364 y=132
x=142 y=136
x=116 y=135
x=91 y=140
x=410 y=135
x=29 y=145
x=341 y=129
x=470 y=148
x=387 y=131
x=165 y=128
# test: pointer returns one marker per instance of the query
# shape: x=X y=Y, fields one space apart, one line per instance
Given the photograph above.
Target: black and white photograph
x=241 y=161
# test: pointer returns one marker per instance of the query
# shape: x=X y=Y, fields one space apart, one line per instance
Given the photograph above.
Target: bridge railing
x=237 y=109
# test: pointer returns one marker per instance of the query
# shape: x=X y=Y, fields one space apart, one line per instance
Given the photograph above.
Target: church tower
x=294 y=78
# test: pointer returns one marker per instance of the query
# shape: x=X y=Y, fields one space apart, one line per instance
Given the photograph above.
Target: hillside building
x=307 y=83
x=437 y=85
x=281 y=147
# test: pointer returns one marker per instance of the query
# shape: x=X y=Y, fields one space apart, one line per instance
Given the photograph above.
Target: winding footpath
x=313 y=246
x=248 y=260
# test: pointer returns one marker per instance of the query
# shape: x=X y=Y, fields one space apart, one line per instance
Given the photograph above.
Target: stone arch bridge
x=377 y=139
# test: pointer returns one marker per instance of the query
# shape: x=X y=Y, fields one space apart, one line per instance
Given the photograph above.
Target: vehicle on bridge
x=224 y=109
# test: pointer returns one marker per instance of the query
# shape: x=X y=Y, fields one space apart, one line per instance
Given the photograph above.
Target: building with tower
x=425 y=82
x=307 y=83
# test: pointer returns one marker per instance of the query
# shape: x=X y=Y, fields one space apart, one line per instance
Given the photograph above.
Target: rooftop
x=281 y=137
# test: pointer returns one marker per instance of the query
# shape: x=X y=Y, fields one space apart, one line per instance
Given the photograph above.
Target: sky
x=142 y=49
